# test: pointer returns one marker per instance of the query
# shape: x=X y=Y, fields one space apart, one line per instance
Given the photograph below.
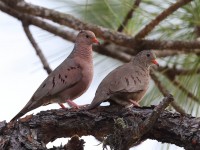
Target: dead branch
x=149 y=27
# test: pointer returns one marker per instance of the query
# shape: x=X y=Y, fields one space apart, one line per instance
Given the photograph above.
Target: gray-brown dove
x=69 y=80
x=127 y=84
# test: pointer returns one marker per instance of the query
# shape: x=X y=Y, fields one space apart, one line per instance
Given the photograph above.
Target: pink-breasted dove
x=69 y=80
x=127 y=84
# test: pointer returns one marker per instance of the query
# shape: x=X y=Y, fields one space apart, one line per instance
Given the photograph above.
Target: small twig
x=149 y=27
x=37 y=48
x=165 y=92
x=128 y=16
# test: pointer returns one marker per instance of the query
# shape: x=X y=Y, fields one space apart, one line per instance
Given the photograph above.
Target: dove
x=69 y=80
x=127 y=84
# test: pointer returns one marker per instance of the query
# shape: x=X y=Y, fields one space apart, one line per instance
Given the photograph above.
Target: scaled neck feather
x=83 y=51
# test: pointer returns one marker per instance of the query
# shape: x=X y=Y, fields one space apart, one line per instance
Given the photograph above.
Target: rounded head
x=147 y=57
x=86 y=37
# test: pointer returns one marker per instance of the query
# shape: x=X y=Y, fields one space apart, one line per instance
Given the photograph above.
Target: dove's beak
x=155 y=62
x=95 y=41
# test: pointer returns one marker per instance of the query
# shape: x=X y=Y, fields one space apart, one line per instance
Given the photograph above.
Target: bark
x=35 y=131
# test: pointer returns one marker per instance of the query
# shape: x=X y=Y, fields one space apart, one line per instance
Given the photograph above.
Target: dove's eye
x=87 y=36
x=148 y=55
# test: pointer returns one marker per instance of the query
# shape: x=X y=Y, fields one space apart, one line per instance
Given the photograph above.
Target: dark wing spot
x=72 y=67
x=127 y=81
x=68 y=69
x=138 y=79
x=137 y=72
x=78 y=66
x=44 y=85
x=133 y=78
x=65 y=76
x=59 y=76
x=53 y=81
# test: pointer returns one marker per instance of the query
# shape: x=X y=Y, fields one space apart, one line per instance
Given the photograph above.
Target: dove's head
x=86 y=37
x=147 y=58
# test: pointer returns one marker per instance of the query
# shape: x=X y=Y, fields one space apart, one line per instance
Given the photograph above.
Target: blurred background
x=21 y=71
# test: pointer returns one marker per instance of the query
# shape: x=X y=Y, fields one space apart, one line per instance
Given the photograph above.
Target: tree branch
x=37 y=48
x=128 y=15
x=149 y=27
x=38 y=22
x=104 y=33
x=46 y=126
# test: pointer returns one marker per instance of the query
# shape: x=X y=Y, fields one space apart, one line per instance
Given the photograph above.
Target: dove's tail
x=32 y=104
x=93 y=105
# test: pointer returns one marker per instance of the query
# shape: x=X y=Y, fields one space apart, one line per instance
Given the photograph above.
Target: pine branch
x=104 y=33
x=185 y=90
x=37 y=48
x=149 y=27
x=129 y=15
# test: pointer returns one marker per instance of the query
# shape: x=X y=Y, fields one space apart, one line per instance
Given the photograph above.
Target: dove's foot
x=61 y=105
x=72 y=104
x=134 y=103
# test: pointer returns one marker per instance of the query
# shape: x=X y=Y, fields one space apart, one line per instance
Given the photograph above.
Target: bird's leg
x=134 y=103
x=61 y=105
x=72 y=104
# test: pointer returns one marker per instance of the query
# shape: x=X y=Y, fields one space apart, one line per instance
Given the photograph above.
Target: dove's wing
x=65 y=76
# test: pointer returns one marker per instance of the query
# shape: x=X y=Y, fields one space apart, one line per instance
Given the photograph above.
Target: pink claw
x=72 y=104
x=61 y=105
x=134 y=103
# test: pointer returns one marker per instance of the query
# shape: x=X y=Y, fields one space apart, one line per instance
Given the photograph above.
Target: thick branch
x=37 y=49
x=104 y=33
x=149 y=27
x=49 y=125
